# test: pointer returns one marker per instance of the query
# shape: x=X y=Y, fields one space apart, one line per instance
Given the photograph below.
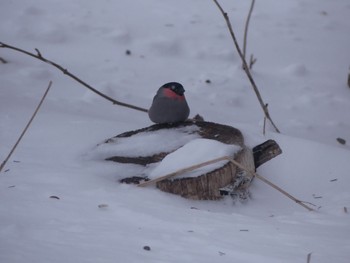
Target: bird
x=169 y=104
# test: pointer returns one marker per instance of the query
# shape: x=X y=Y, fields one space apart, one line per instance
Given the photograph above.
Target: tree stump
x=212 y=185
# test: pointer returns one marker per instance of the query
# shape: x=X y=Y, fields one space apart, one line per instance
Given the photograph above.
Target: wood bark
x=208 y=185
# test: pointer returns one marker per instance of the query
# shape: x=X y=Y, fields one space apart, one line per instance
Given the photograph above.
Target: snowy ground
x=303 y=58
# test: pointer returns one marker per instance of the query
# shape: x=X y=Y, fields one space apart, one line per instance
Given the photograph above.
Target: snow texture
x=62 y=203
x=194 y=152
x=147 y=143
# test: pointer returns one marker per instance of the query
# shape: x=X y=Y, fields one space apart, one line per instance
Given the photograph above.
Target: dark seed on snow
x=341 y=141
x=147 y=248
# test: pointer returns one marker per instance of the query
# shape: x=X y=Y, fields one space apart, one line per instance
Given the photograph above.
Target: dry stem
x=254 y=174
x=252 y=61
x=308 y=259
x=270 y=184
x=26 y=128
x=246 y=35
x=181 y=171
x=246 y=67
x=66 y=72
x=2 y=60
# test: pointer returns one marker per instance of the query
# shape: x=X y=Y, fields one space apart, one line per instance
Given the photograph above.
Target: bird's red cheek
x=171 y=94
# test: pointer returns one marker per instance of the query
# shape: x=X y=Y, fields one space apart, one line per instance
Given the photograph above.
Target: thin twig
x=308 y=259
x=270 y=184
x=2 y=60
x=252 y=61
x=26 y=128
x=246 y=67
x=181 y=171
x=254 y=174
x=246 y=32
x=66 y=72
x=264 y=127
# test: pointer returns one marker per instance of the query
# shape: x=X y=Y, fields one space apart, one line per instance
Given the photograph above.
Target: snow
x=192 y=153
x=302 y=51
x=146 y=143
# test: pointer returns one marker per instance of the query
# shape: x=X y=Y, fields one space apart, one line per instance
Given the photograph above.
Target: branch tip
x=245 y=66
x=38 y=53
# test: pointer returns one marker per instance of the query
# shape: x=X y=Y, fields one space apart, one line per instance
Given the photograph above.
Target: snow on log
x=179 y=145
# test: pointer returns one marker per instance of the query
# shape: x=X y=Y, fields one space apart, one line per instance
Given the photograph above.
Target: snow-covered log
x=175 y=146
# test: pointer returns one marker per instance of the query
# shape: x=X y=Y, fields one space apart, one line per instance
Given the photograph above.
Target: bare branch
x=254 y=174
x=252 y=61
x=264 y=126
x=66 y=72
x=181 y=171
x=245 y=66
x=246 y=31
x=270 y=184
x=2 y=60
x=38 y=53
x=26 y=128
x=308 y=259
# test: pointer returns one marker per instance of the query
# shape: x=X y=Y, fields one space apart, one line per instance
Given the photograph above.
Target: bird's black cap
x=176 y=87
